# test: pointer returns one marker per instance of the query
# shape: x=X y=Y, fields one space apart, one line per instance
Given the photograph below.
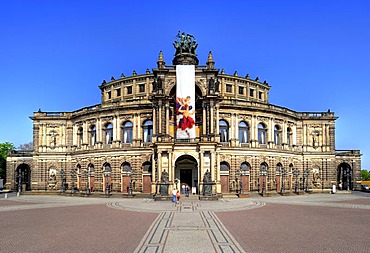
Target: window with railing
x=147 y=131
x=224 y=131
x=243 y=132
x=127 y=132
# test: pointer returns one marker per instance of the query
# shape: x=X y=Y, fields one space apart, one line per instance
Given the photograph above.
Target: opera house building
x=188 y=124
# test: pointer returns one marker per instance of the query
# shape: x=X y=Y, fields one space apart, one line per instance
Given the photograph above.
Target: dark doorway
x=186 y=176
x=344 y=177
x=23 y=178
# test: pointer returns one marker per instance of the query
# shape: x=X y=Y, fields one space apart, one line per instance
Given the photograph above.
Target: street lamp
x=306 y=173
x=19 y=181
x=283 y=173
x=106 y=174
x=296 y=174
x=348 y=171
x=87 y=174
x=130 y=184
x=73 y=174
x=263 y=173
x=62 y=176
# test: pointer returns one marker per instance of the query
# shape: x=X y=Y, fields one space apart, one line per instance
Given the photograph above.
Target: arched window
x=92 y=135
x=108 y=133
x=263 y=169
x=224 y=166
x=289 y=136
x=224 y=131
x=245 y=166
x=279 y=167
x=126 y=167
x=277 y=135
x=262 y=133
x=147 y=131
x=243 y=132
x=127 y=132
x=80 y=135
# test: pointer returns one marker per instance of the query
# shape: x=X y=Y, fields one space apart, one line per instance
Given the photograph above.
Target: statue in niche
x=155 y=85
x=217 y=86
x=207 y=184
x=164 y=183
x=211 y=86
x=159 y=83
x=164 y=177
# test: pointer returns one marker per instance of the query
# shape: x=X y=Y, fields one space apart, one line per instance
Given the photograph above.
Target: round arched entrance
x=23 y=178
x=344 y=177
x=186 y=171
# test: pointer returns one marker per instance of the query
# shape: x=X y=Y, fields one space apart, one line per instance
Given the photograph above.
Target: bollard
x=6 y=195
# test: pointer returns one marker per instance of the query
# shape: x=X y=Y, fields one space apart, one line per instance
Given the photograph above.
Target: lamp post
x=19 y=182
x=283 y=173
x=296 y=174
x=62 y=176
x=87 y=173
x=347 y=178
x=130 y=183
x=73 y=174
x=306 y=173
x=263 y=173
x=106 y=174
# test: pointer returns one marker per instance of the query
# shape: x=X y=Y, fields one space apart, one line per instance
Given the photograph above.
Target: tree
x=365 y=175
x=5 y=148
x=26 y=146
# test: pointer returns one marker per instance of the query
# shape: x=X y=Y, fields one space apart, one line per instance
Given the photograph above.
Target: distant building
x=194 y=124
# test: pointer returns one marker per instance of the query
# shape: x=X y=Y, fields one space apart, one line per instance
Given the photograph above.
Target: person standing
x=178 y=195
x=174 y=196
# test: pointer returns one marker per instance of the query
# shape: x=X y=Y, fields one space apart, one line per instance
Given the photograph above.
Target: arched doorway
x=344 y=177
x=186 y=171
x=224 y=177
x=147 y=177
x=23 y=180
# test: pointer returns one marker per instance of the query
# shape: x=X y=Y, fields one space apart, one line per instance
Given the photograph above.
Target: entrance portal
x=186 y=177
x=344 y=177
x=186 y=171
x=23 y=178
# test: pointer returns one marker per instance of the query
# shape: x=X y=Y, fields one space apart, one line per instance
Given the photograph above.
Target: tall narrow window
x=80 y=135
x=127 y=132
x=262 y=133
x=92 y=135
x=289 y=136
x=243 y=132
x=141 y=87
x=277 y=135
x=224 y=131
x=108 y=133
x=129 y=90
x=229 y=88
x=148 y=131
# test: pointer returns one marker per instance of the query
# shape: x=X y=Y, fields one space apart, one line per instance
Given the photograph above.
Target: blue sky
x=315 y=54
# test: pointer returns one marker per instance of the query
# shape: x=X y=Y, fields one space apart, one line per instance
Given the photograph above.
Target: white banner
x=185 y=101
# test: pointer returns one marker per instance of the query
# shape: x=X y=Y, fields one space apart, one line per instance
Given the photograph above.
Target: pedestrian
x=187 y=191
x=174 y=197
x=183 y=189
x=178 y=195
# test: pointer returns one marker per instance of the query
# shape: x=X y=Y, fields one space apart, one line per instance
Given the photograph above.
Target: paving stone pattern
x=305 y=223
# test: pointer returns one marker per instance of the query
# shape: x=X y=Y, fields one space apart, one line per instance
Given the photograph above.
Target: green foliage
x=365 y=175
x=5 y=148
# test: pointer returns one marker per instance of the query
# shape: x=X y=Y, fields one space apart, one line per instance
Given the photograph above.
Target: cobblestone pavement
x=304 y=223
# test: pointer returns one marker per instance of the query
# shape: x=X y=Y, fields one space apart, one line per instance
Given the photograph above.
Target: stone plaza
x=299 y=223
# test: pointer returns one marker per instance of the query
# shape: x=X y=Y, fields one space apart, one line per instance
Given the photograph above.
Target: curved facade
x=129 y=141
